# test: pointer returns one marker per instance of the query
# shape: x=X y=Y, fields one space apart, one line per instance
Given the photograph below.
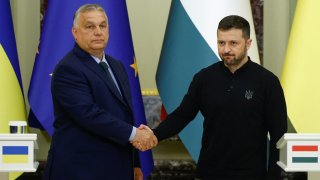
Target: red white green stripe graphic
x=309 y=154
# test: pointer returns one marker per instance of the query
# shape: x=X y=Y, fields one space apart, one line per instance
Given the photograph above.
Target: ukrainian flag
x=12 y=105
x=14 y=154
x=300 y=74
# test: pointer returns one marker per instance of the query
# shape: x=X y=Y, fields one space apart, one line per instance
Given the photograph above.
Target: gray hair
x=85 y=8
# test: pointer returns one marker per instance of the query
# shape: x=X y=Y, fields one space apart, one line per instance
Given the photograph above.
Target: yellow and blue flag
x=12 y=105
x=56 y=40
x=14 y=154
x=190 y=44
x=300 y=72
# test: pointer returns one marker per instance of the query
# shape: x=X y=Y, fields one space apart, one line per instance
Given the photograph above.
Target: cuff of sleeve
x=133 y=133
x=156 y=133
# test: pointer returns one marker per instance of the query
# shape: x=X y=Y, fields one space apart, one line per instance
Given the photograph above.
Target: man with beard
x=241 y=103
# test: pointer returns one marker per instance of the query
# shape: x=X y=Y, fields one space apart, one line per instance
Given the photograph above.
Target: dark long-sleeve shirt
x=239 y=110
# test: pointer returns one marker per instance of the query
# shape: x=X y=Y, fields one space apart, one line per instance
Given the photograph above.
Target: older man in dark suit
x=93 y=109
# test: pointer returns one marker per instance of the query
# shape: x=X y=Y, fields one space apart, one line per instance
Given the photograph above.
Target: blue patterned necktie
x=105 y=67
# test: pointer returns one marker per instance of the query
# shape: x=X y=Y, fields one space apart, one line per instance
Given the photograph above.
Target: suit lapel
x=122 y=81
x=91 y=64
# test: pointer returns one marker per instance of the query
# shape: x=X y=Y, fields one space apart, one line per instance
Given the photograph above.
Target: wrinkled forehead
x=94 y=14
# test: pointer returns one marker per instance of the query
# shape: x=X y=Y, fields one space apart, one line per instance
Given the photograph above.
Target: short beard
x=236 y=60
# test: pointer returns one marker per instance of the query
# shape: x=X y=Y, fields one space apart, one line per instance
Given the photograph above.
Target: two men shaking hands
x=144 y=138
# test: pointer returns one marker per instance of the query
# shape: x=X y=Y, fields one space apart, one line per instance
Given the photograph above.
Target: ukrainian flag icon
x=14 y=154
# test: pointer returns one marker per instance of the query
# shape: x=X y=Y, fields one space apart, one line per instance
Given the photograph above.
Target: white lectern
x=299 y=152
x=17 y=153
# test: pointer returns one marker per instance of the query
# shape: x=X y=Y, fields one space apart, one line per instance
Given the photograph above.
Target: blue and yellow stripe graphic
x=15 y=154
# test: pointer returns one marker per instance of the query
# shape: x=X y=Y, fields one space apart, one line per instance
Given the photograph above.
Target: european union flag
x=56 y=40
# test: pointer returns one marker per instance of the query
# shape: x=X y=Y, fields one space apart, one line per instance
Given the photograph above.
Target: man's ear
x=74 y=33
x=248 y=43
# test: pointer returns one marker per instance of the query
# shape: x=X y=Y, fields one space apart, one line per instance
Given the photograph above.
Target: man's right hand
x=144 y=138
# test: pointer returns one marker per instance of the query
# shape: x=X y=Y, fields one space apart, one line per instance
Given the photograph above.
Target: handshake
x=144 y=138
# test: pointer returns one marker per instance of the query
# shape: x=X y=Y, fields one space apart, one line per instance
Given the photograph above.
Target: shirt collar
x=241 y=69
x=100 y=60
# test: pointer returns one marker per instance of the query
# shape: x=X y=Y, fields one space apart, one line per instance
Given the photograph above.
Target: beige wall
x=148 y=19
x=277 y=23
x=26 y=19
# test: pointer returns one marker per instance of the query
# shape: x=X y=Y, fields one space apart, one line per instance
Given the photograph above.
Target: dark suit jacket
x=92 y=121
